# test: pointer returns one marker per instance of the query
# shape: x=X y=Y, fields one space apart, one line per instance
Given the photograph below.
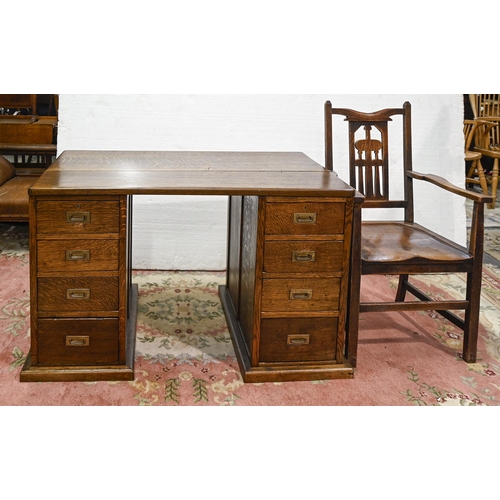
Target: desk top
x=183 y=172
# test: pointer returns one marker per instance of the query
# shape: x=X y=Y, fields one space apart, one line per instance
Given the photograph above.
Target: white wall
x=190 y=232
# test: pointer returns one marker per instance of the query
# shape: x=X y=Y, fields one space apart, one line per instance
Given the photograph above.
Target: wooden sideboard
x=290 y=234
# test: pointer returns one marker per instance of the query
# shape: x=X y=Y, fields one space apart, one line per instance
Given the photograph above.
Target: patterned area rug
x=492 y=242
x=491 y=228
x=184 y=355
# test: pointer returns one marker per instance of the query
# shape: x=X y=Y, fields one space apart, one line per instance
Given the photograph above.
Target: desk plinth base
x=282 y=372
x=31 y=373
x=74 y=373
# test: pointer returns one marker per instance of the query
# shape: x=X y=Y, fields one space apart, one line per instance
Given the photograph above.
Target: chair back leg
x=402 y=287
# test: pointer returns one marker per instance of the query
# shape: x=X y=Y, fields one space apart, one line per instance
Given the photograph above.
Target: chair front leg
x=494 y=183
x=471 y=323
x=474 y=280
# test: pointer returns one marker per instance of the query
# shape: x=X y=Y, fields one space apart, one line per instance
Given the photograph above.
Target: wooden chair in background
x=486 y=107
x=404 y=247
x=475 y=171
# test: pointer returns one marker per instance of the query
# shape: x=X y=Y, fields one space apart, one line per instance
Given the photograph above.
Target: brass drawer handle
x=74 y=217
x=304 y=218
x=78 y=293
x=77 y=340
x=298 y=339
x=301 y=294
x=303 y=256
x=77 y=255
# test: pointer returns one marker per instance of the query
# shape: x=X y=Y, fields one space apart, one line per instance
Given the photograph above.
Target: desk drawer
x=305 y=218
x=303 y=256
x=77 y=217
x=89 y=293
x=77 y=342
x=77 y=255
x=314 y=294
x=302 y=339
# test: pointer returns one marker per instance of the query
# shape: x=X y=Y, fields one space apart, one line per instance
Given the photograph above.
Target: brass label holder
x=77 y=255
x=298 y=339
x=304 y=218
x=78 y=293
x=301 y=294
x=78 y=217
x=77 y=340
x=303 y=256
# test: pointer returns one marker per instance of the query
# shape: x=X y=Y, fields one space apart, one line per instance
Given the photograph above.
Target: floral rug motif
x=450 y=337
x=492 y=242
x=491 y=215
x=491 y=228
x=182 y=341
x=180 y=315
x=184 y=355
x=14 y=241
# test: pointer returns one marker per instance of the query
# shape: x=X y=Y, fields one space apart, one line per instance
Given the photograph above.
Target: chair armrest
x=448 y=186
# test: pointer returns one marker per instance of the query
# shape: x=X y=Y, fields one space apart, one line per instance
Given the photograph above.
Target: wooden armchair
x=404 y=247
x=14 y=198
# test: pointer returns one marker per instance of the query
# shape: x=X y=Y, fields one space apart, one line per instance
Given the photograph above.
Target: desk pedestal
x=83 y=302
x=286 y=296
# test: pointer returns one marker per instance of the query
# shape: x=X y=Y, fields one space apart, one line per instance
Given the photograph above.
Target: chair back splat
x=403 y=247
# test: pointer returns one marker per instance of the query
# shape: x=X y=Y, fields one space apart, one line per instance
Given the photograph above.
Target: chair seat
x=402 y=242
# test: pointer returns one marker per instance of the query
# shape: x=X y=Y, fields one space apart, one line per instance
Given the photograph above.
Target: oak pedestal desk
x=288 y=261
